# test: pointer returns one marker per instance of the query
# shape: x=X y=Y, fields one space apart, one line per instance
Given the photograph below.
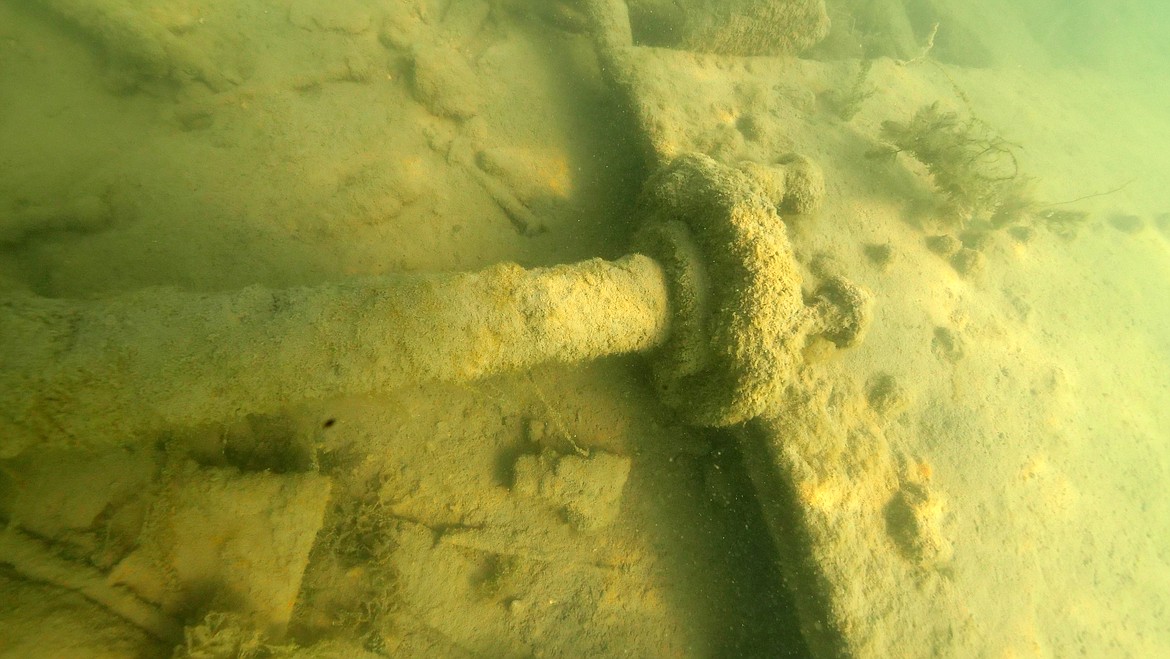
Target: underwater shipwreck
x=349 y=328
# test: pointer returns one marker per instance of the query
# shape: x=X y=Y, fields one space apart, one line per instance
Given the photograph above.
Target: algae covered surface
x=978 y=469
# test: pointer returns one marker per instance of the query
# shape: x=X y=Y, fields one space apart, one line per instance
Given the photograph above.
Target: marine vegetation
x=846 y=103
x=968 y=162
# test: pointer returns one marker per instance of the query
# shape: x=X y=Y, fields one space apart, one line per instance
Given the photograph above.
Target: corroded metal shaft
x=89 y=372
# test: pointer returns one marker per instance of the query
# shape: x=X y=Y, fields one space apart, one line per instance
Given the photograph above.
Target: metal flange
x=738 y=319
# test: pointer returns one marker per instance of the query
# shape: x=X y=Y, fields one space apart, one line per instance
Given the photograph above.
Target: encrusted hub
x=738 y=318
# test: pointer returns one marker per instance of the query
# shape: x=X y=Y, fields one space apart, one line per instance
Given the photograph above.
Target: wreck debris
x=130 y=36
x=247 y=535
x=587 y=489
x=30 y=559
x=718 y=303
x=731 y=27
